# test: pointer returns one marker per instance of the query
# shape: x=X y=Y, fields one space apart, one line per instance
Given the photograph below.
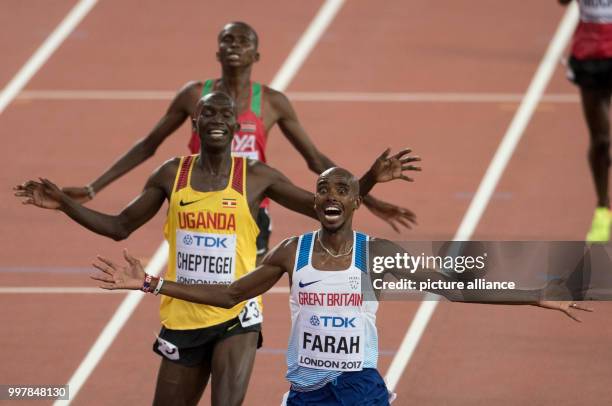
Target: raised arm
x=46 y=194
x=280 y=189
x=174 y=117
x=255 y=283
x=318 y=162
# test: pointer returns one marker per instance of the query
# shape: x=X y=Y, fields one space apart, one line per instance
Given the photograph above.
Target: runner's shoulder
x=191 y=90
x=283 y=254
x=168 y=169
x=259 y=168
x=274 y=97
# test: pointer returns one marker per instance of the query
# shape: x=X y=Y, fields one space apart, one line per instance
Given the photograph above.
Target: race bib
x=331 y=341
x=251 y=314
x=205 y=258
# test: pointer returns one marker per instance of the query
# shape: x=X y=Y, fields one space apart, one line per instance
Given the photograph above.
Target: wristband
x=160 y=283
x=90 y=191
x=146 y=284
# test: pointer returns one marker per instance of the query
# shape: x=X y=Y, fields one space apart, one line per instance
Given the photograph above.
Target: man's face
x=237 y=46
x=216 y=121
x=336 y=198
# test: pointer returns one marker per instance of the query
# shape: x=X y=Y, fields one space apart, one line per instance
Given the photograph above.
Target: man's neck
x=215 y=162
x=337 y=241
x=235 y=81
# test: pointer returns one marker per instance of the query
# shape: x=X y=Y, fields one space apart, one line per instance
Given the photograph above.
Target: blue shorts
x=351 y=388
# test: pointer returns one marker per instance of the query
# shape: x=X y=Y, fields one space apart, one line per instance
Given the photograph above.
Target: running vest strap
x=593 y=37
x=250 y=140
x=212 y=241
x=333 y=329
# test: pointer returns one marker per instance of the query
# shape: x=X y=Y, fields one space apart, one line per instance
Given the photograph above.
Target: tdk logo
x=206 y=241
x=314 y=320
x=336 y=321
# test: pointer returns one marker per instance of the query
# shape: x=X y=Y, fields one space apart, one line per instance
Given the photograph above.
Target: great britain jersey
x=212 y=241
x=593 y=37
x=333 y=327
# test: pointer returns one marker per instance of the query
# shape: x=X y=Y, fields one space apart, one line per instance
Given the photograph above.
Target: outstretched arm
x=255 y=283
x=318 y=162
x=46 y=194
x=429 y=277
x=175 y=116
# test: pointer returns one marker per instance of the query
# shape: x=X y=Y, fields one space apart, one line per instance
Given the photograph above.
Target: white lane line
x=110 y=331
x=28 y=290
x=489 y=182
x=367 y=97
x=286 y=73
x=306 y=44
x=44 y=52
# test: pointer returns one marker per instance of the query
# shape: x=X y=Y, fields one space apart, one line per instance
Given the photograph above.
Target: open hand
x=114 y=276
x=569 y=308
x=394 y=215
x=387 y=168
x=44 y=194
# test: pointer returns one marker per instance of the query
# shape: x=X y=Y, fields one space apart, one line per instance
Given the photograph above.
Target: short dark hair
x=241 y=24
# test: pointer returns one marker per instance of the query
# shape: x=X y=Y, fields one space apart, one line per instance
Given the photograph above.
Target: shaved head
x=243 y=27
x=337 y=174
x=217 y=99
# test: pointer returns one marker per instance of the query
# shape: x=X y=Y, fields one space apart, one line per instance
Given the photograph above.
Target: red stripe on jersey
x=237 y=178
x=184 y=173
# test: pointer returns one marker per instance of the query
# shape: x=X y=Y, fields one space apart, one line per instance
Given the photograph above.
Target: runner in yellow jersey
x=207 y=194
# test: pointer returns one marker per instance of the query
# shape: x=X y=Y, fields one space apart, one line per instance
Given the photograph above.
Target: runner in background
x=590 y=67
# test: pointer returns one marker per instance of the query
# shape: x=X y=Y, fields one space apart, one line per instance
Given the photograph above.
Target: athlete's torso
x=593 y=37
x=333 y=327
x=212 y=241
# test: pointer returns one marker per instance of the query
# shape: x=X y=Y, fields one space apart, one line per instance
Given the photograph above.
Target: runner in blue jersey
x=333 y=346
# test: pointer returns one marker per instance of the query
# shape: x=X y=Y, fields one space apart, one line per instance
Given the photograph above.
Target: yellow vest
x=212 y=238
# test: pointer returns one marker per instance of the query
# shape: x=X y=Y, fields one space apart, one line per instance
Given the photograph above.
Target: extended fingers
x=102 y=277
x=582 y=307
x=400 y=154
x=130 y=259
x=572 y=316
x=385 y=154
x=411 y=168
x=110 y=264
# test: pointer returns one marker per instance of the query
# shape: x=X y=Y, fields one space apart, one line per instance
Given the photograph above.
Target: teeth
x=332 y=211
x=216 y=133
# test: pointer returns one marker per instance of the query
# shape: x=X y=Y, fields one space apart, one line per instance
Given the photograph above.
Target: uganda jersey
x=593 y=37
x=333 y=329
x=212 y=241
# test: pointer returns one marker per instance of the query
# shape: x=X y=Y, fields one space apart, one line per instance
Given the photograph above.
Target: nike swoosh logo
x=303 y=285
x=182 y=203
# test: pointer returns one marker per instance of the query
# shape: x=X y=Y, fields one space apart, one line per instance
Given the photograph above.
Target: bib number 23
x=251 y=314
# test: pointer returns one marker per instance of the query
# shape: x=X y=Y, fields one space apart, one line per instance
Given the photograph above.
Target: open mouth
x=332 y=213
x=233 y=57
x=217 y=133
